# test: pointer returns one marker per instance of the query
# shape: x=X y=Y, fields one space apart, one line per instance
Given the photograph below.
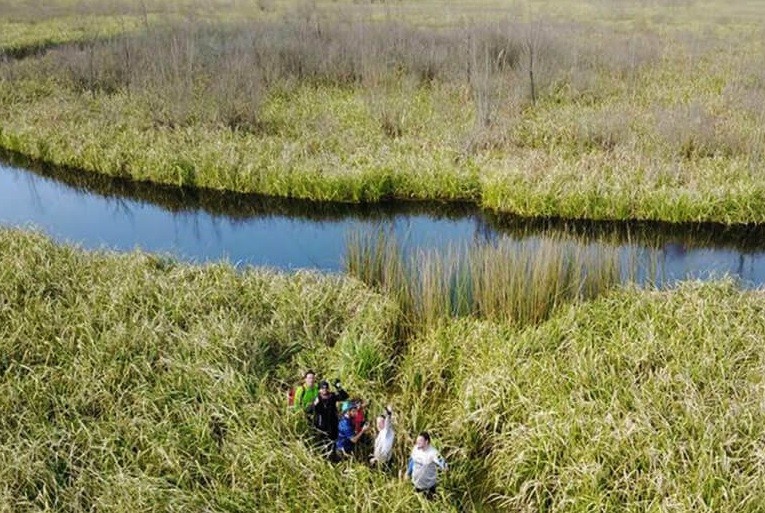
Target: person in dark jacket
x=324 y=409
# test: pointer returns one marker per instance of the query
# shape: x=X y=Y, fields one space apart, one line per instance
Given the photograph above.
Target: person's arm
x=409 y=467
x=355 y=438
x=440 y=462
x=341 y=394
x=297 y=401
x=311 y=408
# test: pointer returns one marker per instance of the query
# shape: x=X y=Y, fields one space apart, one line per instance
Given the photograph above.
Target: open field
x=134 y=383
x=598 y=110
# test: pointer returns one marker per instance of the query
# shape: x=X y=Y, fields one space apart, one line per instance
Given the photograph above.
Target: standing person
x=347 y=435
x=324 y=409
x=384 y=440
x=423 y=465
x=359 y=419
x=306 y=393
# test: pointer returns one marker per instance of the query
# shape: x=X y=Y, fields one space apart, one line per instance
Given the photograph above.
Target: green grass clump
x=519 y=283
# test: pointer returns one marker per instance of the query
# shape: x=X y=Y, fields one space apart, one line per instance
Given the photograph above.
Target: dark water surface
x=200 y=226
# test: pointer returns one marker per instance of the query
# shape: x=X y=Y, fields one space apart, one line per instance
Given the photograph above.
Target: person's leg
x=388 y=468
x=428 y=493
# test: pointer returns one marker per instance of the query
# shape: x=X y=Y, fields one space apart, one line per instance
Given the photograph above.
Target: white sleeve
x=438 y=460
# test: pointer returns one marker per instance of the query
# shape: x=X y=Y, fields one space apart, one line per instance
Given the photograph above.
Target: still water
x=202 y=226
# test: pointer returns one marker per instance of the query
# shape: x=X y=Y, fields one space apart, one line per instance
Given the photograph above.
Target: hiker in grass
x=423 y=466
x=347 y=436
x=359 y=419
x=324 y=409
x=306 y=393
x=383 y=449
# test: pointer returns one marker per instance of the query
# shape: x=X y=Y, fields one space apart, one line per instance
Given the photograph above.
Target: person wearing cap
x=347 y=435
x=324 y=409
x=424 y=464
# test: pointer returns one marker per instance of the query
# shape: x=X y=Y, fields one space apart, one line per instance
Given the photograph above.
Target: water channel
x=201 y=226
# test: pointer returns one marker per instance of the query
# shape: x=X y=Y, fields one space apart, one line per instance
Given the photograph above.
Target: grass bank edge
x=199 y=160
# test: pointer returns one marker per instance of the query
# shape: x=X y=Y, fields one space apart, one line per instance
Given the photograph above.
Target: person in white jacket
x=383 y=449
x=423 y=466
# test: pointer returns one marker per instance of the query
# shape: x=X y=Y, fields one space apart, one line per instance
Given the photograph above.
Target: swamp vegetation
x=596 y=110
x=132 y=382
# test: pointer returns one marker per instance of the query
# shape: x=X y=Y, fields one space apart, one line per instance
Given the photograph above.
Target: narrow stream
x=201 y=226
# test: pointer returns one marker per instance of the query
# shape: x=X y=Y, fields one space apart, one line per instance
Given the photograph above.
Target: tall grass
x=653 y=400
x=629 y=118
x=520 y=283
x=131 y=382
x=636 y=401
x=135 y=383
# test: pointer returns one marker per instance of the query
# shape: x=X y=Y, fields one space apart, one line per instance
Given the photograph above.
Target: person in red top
x=358 y=419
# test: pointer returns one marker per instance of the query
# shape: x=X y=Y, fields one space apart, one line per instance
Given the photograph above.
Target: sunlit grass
x=518 y=283
x=542 y=109
x=636 y=401
x=132 y=382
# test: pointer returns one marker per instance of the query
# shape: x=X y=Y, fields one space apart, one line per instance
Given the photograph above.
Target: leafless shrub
x=747 y=91
x=627 y=55
x=266 y=5
x=221 y=73
x=393 y=104
x=89 y=68
x=497 y=136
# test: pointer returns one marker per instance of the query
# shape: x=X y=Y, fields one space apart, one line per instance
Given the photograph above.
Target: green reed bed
x=132 y=382
x=540 y=111
x=637 y=401
x=519 y=283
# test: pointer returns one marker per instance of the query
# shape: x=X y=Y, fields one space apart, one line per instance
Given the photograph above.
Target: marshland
x=554 y=373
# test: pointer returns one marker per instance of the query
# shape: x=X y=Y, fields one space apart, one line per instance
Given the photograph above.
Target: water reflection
x=204 y=225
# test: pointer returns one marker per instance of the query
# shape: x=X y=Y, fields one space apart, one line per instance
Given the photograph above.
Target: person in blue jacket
x=346 y=433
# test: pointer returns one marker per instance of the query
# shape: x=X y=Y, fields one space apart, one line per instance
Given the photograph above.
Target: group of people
x=341 y=426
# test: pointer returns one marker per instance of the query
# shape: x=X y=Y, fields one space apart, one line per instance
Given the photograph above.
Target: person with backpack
x=306 y=393
x=324 y=409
